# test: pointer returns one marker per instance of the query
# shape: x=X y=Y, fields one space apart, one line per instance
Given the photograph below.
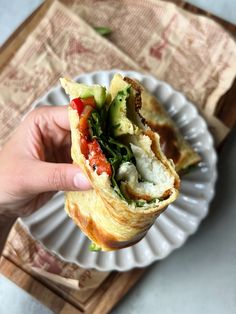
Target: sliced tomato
x=84 y=127
x=84 y=146
x=78 y=105
x=90 y=149
x=95 y=147
x=104 y=167
x=87 y=111
x=83 y=121
x=97 y=159
x=90 y=101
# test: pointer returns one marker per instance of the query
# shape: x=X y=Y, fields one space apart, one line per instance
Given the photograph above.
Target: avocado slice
x=119 y=123
x=76 y=90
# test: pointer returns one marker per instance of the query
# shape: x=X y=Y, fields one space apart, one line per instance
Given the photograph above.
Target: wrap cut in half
x=132 y=180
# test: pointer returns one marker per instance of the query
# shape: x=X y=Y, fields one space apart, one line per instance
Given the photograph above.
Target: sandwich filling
x=115 y=143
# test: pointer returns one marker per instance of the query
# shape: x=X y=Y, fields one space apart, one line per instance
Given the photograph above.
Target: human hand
x=36 y=162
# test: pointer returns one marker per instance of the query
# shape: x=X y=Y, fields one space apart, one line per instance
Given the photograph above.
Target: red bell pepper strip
x=97 y=159
x=90 y=101
x=90 y=149
x=78 y=105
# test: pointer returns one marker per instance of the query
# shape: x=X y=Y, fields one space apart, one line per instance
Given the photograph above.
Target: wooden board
x=60 y=299
x=35 y=288
x=63 y=300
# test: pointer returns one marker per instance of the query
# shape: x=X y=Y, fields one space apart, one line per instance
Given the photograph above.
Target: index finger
x=59 y=115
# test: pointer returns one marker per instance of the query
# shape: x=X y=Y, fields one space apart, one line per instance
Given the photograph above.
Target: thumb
x=46 y=176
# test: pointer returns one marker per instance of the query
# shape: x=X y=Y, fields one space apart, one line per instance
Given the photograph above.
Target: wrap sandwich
x=132 y=180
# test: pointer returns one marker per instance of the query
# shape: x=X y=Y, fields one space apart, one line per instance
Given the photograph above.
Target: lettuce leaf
x=115 y=151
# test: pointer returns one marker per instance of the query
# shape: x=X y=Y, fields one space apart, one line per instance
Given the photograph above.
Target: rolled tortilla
x=108 y=220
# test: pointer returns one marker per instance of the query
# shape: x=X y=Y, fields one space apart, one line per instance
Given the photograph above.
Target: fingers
x=45 y=133
x=45 y=176
x=52 y=123
x=60 y=116
x=57 y=115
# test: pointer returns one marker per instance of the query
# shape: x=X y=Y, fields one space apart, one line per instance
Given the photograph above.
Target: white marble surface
x=226 y=9
x=198 y=278
x=13 y=13
x=13 y=300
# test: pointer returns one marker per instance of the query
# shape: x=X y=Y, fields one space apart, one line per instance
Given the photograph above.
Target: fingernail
x=81 y=182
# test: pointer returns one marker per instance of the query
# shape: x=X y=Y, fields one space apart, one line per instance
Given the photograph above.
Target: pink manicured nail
x=81 y=182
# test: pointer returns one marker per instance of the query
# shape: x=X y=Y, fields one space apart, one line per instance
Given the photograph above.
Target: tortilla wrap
x=107 y=219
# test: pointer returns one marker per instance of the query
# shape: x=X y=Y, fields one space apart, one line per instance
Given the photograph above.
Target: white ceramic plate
x=57 y=232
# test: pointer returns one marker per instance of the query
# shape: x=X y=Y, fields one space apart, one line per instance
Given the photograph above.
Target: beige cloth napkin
x=190 y=52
